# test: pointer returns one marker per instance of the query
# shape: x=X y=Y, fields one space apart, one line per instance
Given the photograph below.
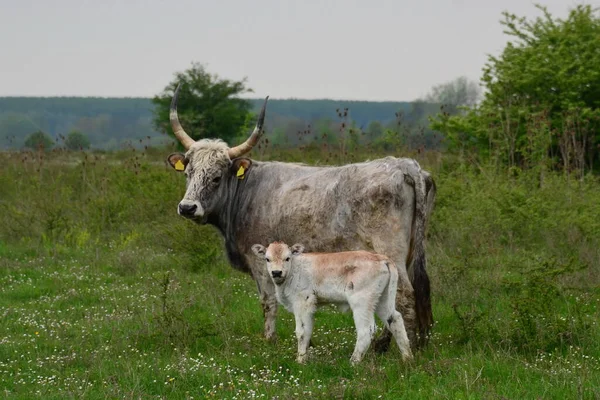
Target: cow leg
x=382 y=343
x=268 y=300
x=405 y=304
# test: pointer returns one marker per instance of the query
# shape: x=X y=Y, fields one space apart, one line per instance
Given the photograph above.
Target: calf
x=362 y=281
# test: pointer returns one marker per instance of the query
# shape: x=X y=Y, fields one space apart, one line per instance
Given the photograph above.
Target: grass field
x=107 y=293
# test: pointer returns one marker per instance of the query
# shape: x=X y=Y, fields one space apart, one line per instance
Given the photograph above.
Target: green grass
x=107 y=293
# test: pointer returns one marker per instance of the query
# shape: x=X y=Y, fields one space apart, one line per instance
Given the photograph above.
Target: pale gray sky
x=346 y=49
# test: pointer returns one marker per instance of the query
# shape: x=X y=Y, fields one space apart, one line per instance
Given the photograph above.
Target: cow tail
x=425 y=191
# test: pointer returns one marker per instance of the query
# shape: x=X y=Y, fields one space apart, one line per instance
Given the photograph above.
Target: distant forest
x=112 y=123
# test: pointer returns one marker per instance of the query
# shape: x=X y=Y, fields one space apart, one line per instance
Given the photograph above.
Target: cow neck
x=228 y=216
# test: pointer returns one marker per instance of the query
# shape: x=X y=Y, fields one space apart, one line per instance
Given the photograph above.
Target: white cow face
x=206 y=166
x=279 y=259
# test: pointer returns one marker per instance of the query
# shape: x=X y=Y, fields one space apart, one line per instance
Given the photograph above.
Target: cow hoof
x=271 y=338
x=382 y=345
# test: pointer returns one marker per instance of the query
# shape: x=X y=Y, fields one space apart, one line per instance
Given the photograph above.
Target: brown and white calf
x=362 y=281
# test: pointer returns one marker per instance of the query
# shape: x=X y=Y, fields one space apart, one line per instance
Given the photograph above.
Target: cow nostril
x=187 y=209
x=276 y=274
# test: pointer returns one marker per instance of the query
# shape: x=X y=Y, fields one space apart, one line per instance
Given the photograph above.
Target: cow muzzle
x=190 y=209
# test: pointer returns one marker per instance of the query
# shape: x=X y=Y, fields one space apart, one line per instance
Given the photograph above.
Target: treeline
x=111 y=123
x=108 y=123
x=301 y=122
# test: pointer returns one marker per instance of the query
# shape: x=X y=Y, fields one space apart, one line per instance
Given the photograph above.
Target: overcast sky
x=363 y=50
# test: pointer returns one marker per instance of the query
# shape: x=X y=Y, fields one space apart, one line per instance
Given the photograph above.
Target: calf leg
x=395 y=324
x=405 y=303
x=305 y=316
x=365 y=328
x=304 y=327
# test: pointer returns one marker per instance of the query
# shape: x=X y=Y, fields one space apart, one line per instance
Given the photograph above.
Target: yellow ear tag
x=240 y=172
x=179 y=166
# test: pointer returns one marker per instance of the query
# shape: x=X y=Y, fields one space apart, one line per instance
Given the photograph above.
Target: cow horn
x=180 y=134
x=245 y=147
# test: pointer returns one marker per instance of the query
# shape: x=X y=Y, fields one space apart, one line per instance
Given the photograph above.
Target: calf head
x=279 y=259
x=206 y=164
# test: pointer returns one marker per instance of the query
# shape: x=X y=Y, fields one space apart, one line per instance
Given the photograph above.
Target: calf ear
x=297 y=249
x=177 y=161
x=240 y=166
x=259 y=250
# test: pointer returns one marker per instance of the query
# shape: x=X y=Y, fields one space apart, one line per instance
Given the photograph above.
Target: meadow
x=107 y=293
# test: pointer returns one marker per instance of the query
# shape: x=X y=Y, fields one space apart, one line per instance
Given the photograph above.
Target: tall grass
x=107 y=293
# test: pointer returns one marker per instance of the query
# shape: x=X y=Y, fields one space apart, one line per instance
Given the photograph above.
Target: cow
x=381 y=205
x=362 y=281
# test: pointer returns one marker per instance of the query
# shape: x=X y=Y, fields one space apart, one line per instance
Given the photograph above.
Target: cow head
x=207 y=163
x=279 y=259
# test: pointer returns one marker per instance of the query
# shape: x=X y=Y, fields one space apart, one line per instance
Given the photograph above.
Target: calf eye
x=268 y=259
x=217 y=179
x=287 y=259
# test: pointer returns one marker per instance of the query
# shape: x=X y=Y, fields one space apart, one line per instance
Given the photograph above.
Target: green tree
x=208 y=105
x=77 y=141
x=459 y=92
x=541 y=106
x=39 y=140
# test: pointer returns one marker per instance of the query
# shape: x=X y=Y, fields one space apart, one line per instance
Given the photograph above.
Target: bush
x=39 y=141
x=77 y=141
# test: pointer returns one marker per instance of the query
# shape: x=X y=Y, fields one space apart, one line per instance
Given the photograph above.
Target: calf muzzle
x=276 y=274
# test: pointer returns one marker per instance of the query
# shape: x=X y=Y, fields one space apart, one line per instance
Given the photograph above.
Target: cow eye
x=268 y=259
x=216 y=179
x=287 y=259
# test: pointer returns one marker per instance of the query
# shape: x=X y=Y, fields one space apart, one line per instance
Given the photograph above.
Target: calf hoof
x=301 y=359
x=355 y=360
x=407 y=357
x=271 y=337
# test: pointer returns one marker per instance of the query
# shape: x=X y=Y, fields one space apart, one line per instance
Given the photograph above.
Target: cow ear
x=297 y=249
x=259 y=250
x=177 y=161
x=240 y=166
